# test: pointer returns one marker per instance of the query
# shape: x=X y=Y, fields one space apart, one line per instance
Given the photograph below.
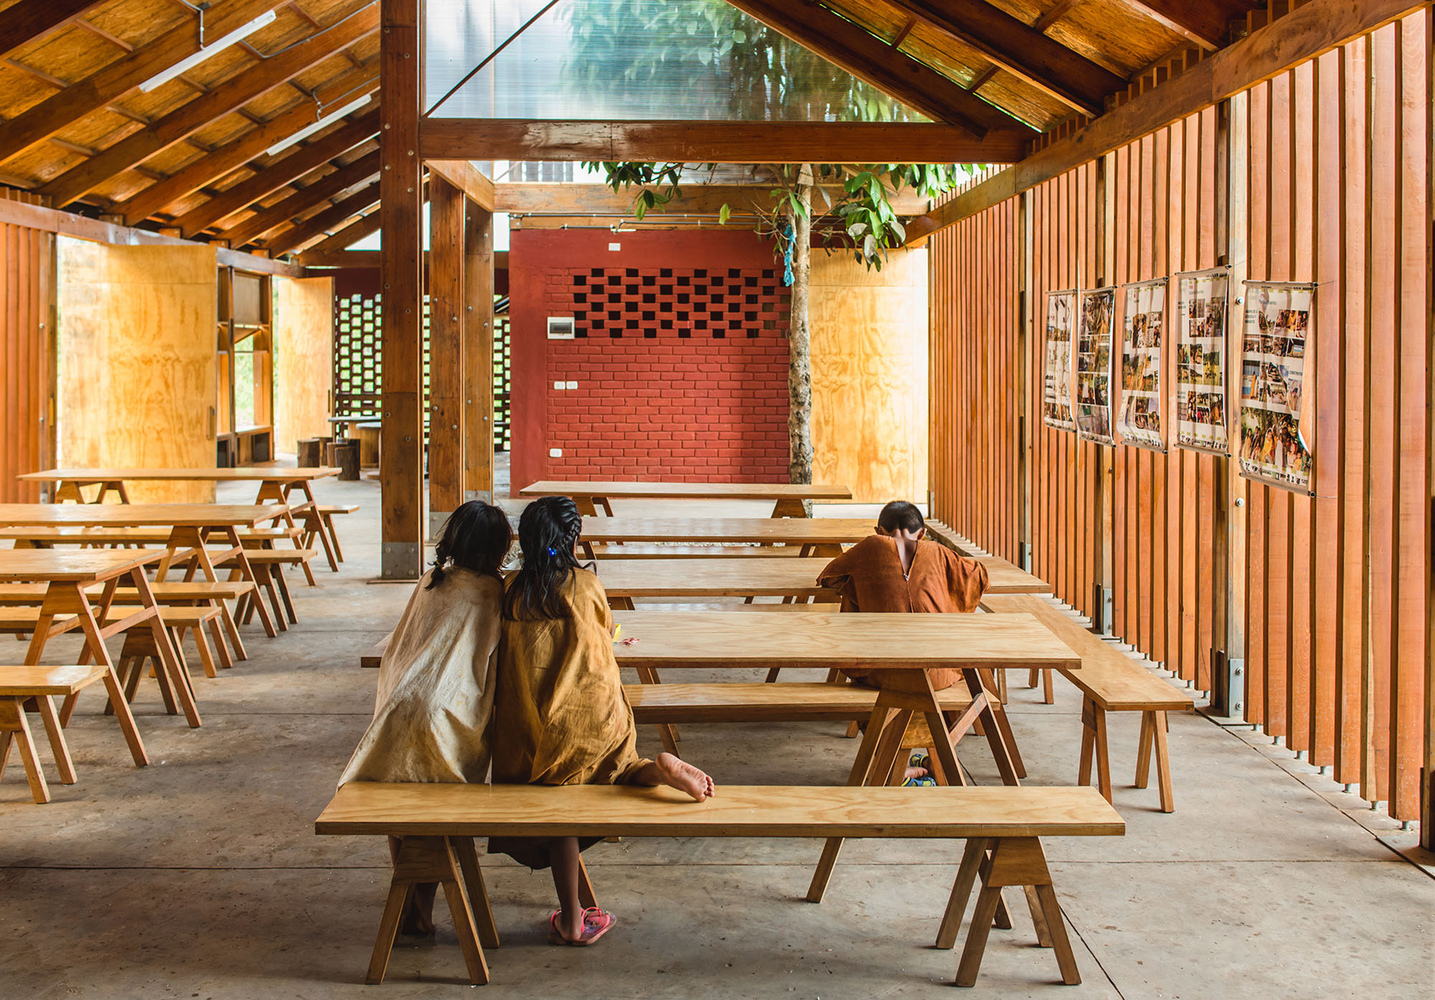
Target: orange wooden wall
x=1327 y=596
x=26 y=379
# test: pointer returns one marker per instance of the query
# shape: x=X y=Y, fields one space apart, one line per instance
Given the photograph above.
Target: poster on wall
x=1202 y=302
x=1143 y=317
x=1056 y=383
x=1093 y=365
x=1277 y=322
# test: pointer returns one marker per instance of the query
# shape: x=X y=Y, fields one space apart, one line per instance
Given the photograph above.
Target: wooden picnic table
x=276 y=485
x=787 y=498
x=974 y=644
x=191 y=526
x=705 y=578
x=67 y=575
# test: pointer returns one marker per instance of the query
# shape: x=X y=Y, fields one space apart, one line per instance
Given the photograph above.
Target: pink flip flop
x=596 y=923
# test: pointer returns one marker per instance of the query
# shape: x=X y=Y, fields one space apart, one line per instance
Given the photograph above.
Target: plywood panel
x=869 y=375
x=304 y=358
x=137 y=361
x=26 y=375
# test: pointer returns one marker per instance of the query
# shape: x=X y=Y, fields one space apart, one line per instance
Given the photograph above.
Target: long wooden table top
x=728 y=530
x=242 y=474
x=128 y=515
x=686 y=491
x=459 y=810
x=80 y=566
x=715 y=576
x=721 y=639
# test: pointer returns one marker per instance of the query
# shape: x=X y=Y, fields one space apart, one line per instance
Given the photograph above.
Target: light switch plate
x=559 y=386
x=572 y=385
x=555 y=452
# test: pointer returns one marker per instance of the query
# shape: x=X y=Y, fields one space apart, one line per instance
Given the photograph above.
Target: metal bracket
x=436 y=521
x=402 y=560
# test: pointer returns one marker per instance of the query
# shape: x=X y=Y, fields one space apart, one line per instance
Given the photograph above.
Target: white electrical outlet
x=559 y=386
x=572 y=385
x=555 y=452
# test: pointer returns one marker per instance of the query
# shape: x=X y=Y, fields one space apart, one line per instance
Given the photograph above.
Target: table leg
x=169 y=659
x=789 y=508
x=270 y=491
x=995 y=738
x=70 y=598
x=310 y=507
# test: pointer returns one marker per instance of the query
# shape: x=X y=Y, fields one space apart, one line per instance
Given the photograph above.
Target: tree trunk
x=799 y=365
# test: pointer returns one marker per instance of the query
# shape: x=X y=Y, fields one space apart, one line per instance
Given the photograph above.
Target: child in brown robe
x=899 y=570
x=560 y=716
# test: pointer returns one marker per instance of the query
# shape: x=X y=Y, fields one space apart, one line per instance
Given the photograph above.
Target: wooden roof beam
x=222 y=100
x=232 y=155
x=359 y=228
x=1302 y=34
x=322 y=222
x=697 y=199
x=31 y=19
x=716 y=141
x=870 y=59
x=1022 y=51
x=1206 y=24
x=118 y=78
x=264 y=182
x=301 y=201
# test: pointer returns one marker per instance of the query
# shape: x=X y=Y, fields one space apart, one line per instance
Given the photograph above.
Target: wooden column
x=478 y=358
x=400 y=263
x=446 y=351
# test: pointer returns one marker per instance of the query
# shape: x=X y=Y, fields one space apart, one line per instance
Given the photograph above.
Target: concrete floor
x=201 y=877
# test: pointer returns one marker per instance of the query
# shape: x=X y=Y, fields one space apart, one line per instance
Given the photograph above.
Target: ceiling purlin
x=320 y=223
x=300 y=201
x=264 y=182
x=30 y=19
x=117 y=79
x=238 y=152
x=230 y=95
x=1021 y=50
x=867 y=57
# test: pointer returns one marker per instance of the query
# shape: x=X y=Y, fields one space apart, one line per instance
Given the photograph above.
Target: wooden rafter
x=1206 y=23
x=229 y=96
x=30 y=19
x=359 y=228
x=717 y=141
x=194 y=176
x=1302 y=34
x=301 y=201
x=320 y=223
x=118 y=78
x=873 y=61
x=1021 y=50
x=264 y=182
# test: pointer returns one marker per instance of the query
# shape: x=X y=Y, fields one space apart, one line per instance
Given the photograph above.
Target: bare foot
x=681 y=775
x=914 y=772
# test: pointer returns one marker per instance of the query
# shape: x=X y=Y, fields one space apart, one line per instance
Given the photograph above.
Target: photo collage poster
x=1203 y=299
x=1143 y=317
x=1056 y=382
x=1273 y=355
x=1093 y=365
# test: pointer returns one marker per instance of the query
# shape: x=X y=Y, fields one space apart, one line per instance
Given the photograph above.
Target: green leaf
x=724 y=214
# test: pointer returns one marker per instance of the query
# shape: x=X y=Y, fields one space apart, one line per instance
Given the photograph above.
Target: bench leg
x=478 y=891
x=1093 y=737
x=1048 y=695
x=586 y=896
x=866 y=752
x=1163 y=761
x=58 y=747
x=14 y=726
x=1143 y=750
x=1014 y=861
x=429 y=859
x=216 y=629
x=333 y=535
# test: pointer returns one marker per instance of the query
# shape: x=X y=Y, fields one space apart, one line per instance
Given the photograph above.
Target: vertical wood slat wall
x=26 y=378
x=1328 y=183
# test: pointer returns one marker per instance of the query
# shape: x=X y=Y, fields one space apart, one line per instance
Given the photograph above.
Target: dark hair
x=899 y=515
x=547 y=532
x=475 y=537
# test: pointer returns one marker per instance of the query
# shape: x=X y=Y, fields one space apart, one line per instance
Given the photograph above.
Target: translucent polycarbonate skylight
x=633 y=59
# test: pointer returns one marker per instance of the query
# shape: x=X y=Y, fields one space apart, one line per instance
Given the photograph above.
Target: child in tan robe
x=560 y=715
x=434 y=707
x=899 y=570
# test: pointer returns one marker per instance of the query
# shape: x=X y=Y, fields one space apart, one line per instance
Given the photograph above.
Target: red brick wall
x=680 y=357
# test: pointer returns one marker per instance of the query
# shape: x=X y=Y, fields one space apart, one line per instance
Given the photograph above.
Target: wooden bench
x=327 y=513
x=1109 y=681
x=24 y=685
x=374 y=655
x=1002 y=827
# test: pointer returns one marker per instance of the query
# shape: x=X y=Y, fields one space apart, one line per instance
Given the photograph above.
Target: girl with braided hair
x=560 y=716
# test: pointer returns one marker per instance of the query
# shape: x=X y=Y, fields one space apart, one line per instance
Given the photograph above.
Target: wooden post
x=447 y=336
x=478 y=357
x=400 y=261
